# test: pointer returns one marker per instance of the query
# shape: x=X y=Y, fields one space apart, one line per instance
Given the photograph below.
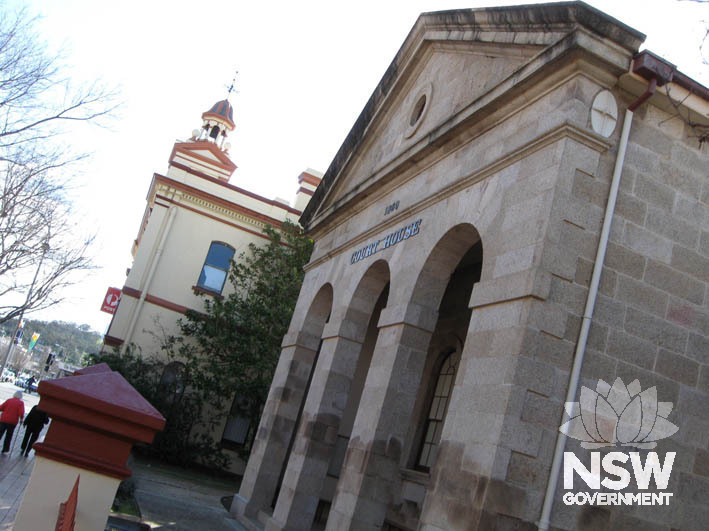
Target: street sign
x=110 y=301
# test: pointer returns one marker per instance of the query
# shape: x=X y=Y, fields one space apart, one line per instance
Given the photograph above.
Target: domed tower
x=217 y=123
x=206 y=153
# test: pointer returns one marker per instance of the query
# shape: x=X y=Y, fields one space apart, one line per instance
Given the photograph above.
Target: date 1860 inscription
x=410 y=230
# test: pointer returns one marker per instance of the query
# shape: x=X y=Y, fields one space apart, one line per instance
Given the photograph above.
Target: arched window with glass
x=438 y=407
x=216 y=267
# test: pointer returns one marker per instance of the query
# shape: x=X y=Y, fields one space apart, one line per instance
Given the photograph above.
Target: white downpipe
x=148 y=281
x=544 y=520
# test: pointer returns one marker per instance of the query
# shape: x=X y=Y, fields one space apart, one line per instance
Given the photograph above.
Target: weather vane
x=233 y=82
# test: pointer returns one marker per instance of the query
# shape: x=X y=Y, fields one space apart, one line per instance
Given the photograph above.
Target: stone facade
x=457 y=230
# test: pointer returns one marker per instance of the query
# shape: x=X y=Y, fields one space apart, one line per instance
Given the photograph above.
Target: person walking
x=13 y=410
x=34 y=422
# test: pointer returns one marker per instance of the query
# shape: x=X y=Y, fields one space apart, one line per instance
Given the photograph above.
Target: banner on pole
x=33 y=341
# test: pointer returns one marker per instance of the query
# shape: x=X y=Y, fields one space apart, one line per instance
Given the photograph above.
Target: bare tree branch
x=35 y=210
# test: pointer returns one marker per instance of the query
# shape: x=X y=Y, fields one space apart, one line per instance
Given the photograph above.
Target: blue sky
x=306 y=70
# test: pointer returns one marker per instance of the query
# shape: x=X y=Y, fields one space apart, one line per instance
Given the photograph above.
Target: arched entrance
x=283 y=407
x=413 y=339
x=331 y=405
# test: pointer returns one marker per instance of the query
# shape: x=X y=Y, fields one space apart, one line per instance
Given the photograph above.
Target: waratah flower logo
x=618 y=416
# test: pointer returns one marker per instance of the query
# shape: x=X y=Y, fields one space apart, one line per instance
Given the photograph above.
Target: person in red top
x=13 y=410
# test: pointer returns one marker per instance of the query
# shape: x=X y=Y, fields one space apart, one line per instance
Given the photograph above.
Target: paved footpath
x=185 y=500
x=15 y=470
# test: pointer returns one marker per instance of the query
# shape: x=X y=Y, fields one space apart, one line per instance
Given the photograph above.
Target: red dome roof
x=222 y=109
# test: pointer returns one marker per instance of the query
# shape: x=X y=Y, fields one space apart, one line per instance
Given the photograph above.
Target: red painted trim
x=200 y=168
x=308 y=178
x=305 y=191
x=152 y=299
x=111 y=341
x=67 y=510
x=131 y=292
x=157 y=301
x=216 y=200
x=220 y=118
x=191 y=171
x=87 y=463
x=189 y=147
x=205 y=214
x=252 y=195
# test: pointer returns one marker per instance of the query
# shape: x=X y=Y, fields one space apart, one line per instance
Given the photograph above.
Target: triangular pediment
x=450 y=61
x=448 y=76
x=202 y=152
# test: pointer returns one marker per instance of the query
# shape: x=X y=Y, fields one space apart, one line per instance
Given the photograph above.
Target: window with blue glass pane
x=215 y=267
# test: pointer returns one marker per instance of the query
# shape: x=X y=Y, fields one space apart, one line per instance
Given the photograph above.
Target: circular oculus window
x=421 y=105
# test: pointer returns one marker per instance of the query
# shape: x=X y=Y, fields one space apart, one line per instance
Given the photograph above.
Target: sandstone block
x=693 y=403
x=701 y=463
x=654 y=193
x=688 y=315
x=586 y=188
x=641 y=295
x=521 y=437
x=655 y=330
x=577 y=241
x=608 y=311
x=631 y=349
x=688 y=261
x=555 y=351
x=679 y=178
x=625 y=261
x=670 y=280
x=688 y=158
x=647 y=243
x=672 y=227
x=532 y=374
x=642 y=160
x=631 y=208
x=568 y=294
x=584 y=272
x=698 y=348
x=667 y=390
x=541 y=410
x=597 y=366
x=677 y=368
x=691 y=210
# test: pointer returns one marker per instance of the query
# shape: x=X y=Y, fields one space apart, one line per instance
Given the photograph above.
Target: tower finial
x=231 y=87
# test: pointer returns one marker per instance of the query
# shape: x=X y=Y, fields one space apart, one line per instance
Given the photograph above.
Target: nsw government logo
x=618 y=416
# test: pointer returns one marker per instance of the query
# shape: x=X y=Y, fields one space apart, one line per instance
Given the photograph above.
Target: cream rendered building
x=194 y=223
x=518 y=209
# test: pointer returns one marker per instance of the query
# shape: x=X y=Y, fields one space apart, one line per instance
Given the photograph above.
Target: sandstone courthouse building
x=422 y=382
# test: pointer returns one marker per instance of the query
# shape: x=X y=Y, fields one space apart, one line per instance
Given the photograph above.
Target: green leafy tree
x=229 y=349
x=232 y=347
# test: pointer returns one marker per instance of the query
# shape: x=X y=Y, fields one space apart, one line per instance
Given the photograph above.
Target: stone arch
x=439 y=304
x=325 y=426
x=280 y=417
x=441 y=263
x=364 y=298
x=319 y=311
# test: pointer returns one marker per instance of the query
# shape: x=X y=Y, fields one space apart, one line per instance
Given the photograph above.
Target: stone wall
x=651 y=321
